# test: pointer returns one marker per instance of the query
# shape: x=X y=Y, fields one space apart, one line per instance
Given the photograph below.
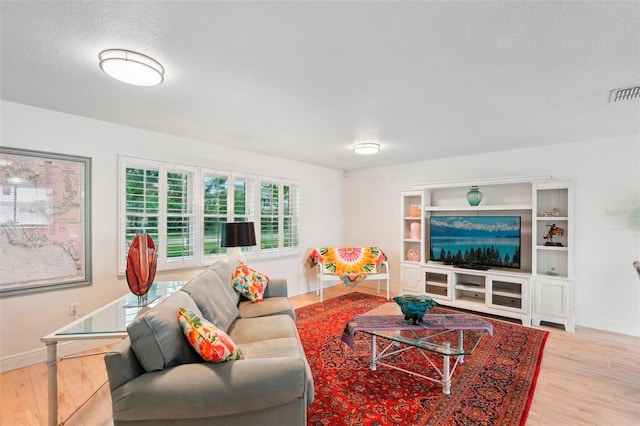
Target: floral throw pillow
x=211 y=343
x=249 y=282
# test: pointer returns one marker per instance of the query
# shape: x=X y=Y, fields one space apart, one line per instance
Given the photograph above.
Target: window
x=159 y=200
x=279 y=216
x=183 y=207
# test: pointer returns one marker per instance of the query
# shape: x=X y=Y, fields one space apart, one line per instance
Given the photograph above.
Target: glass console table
x=108 y=322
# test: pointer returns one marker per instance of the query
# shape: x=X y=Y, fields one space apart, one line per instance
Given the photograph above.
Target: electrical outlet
x=73 y=309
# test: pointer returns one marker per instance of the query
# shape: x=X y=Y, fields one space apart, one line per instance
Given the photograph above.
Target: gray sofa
x=157 y=378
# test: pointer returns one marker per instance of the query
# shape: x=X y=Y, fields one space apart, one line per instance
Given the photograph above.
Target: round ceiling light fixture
x=131 y=67
x=366 y=148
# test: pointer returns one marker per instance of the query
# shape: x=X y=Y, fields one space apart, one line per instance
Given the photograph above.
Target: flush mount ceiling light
x=131 y=67
x=366 y=148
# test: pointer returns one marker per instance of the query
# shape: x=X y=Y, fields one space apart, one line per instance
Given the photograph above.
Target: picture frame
x=45 y=221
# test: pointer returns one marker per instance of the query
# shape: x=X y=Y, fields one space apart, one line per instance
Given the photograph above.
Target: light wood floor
x=588 y=377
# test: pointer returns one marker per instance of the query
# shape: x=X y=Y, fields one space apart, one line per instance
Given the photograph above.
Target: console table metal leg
x=52 y=381
x=446 y=374
x=373 y=352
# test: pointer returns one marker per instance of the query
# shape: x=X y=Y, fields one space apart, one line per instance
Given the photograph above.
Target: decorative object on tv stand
x=142 y=261
x=416 y=229
x=474 y=196
x=553 y=230
x=554 y=212
x=237 y=235
x=414 y=211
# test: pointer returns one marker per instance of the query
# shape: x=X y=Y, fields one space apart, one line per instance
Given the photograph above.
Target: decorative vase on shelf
x=413 y=255
x=474 y=196
x=415 y=230
x=414 y=211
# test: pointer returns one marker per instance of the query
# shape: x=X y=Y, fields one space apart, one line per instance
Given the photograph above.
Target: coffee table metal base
x=446 y=373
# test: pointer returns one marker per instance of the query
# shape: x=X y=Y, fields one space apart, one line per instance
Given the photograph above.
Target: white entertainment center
x=541 y=289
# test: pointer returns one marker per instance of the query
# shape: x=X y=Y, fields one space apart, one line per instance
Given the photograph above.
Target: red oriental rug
x=494 y=386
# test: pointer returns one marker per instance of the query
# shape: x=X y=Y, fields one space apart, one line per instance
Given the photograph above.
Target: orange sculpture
x=553 y=230
x=141 y=265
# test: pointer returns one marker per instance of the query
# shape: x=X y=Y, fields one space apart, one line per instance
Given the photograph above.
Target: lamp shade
x=238 y=234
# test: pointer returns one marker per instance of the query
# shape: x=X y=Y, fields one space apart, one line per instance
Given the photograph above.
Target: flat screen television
x=488 y=241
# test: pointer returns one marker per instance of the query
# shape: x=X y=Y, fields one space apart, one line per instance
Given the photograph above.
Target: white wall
x=25 y=319
x=607 y=215
x=360 y=209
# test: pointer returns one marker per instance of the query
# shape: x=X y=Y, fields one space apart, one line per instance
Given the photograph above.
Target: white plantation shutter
x=243 y=196
x=291 y=216
x=140 y=211
x=215 y=210
x=269 y=216
x=180 y=216
x=243 y=204
x=279 y=216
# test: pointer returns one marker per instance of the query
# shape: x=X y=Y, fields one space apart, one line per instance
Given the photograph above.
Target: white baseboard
x=38 y=356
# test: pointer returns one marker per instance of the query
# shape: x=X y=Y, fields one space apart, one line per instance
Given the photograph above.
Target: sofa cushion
x=205 y=393
x=212 y=292
x=249 y=282
x=209 y=341
x=272 y=348
x=281 y=348
x=269 y=306
x=263 y=328
x=156 y=337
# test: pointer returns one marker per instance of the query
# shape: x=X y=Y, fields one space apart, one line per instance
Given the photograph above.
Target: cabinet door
x=509 y=293
x=411 y=278
x=437 y=283
x=552 y=297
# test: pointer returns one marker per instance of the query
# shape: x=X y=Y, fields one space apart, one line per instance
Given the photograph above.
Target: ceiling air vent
x=624 y=94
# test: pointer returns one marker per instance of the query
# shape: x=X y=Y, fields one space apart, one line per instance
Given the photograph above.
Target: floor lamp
x=237 y=235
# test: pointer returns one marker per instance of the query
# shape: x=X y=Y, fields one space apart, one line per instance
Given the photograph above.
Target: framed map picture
x=45 y=223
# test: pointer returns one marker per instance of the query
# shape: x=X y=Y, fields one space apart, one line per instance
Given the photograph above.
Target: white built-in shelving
x=553 y=264
x=540 y=290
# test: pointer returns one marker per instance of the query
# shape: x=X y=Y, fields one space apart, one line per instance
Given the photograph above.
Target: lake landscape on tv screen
x=481 y=240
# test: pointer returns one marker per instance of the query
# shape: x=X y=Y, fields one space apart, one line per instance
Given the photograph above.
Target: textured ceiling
x=305 y=80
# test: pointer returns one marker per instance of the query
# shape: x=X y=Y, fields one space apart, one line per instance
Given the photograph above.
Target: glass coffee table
x=447 y=335
x=108 y=322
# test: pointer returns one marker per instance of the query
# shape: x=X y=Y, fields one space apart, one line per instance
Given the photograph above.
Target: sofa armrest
x=122 y=364
x=211 y=389
x=277 y=287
